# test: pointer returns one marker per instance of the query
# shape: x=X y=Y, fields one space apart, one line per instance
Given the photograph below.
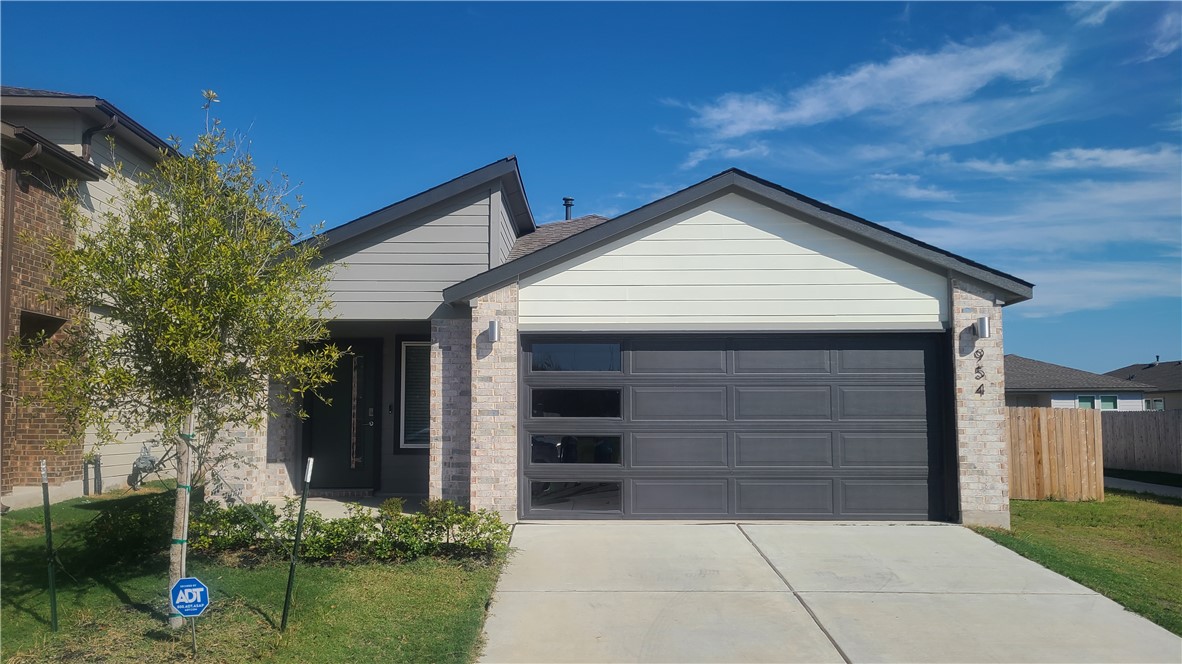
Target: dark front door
x=343 y=428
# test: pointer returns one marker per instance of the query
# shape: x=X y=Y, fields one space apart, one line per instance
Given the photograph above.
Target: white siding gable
x=734 y=263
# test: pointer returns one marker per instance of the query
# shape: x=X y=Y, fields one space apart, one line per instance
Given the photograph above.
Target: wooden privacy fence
x=1056 y=453
x=1150 y=440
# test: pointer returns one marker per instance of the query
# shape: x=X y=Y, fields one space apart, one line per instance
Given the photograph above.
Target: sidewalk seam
x=795 y=594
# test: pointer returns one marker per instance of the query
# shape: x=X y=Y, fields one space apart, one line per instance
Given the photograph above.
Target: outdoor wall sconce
x=982 y=327
x=494 y=332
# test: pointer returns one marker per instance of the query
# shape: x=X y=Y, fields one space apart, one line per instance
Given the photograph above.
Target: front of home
x=1036 y=384
x=732 y=351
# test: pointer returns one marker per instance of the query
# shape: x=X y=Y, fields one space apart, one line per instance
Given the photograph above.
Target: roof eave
x=151 y=143
x=503 y=171
x=51 y=155
x=1012 y=289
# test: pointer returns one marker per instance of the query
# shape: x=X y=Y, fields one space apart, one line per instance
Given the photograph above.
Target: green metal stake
x=49 y=547
x=295 y=547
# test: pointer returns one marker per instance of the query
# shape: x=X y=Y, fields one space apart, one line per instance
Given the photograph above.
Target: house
x=1045 y=385
x=1164 y=380
x=50 y=138
x=733 y=350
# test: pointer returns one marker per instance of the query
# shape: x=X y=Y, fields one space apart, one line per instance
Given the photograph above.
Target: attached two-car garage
x=791 y=426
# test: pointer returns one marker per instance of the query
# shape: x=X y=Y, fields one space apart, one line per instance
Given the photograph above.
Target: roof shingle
x=1162 y=376
x=548 y=234
x=1026 y=375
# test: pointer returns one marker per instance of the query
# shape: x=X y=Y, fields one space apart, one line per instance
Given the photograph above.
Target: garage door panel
x=898 y=361
x=783 y=403
x=880 y=449
x=784 y=497
x=883 y=403
x=773 y=361
x=883 y=497
x=783 y=450
x=678 y=403
x=675 y=496
x=707 y=357
x=679 y=450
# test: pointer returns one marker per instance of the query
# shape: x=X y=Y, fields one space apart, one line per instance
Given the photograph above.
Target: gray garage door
x=754 y=426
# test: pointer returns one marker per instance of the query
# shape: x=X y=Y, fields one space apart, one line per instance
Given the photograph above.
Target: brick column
x=981 y=434
x=451 y=389
x=494 y=404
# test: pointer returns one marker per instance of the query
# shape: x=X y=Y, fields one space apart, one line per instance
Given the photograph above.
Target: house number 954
x=979 y=372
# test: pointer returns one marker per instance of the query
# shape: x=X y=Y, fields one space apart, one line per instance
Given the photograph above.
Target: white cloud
x=1066 y=286
x=1091 y=13
x=1071 y=218
x=908 y=186
x=1167 y=36
x=952 y=74
x=724 y=152
x=1160 y=158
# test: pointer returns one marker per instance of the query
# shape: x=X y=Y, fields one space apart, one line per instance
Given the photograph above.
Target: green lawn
x=425 y=611
x=1128 y=548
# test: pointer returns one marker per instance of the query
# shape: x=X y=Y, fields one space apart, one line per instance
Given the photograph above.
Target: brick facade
x=30 y=430
x=494 y=403
x=449 y=465
x=981 y=433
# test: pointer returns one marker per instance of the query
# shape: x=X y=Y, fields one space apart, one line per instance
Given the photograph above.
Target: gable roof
x=503 y=170
x=14 y=97
x=1026 y=375
x=548 y=234
x=734 y=180
x=1160 y=376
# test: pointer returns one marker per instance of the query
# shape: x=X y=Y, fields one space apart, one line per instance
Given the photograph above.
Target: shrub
x=131 y=528
x=215 y=529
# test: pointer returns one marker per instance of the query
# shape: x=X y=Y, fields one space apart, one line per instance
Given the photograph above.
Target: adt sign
x=189 y=597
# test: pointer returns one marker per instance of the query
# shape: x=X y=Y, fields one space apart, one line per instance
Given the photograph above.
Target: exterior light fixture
x=982 y=327
x=494 y=332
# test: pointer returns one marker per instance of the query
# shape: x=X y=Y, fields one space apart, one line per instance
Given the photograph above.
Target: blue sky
x=1041 y=139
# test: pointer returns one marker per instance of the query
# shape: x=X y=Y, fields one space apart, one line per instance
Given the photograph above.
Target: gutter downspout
x=89 y=134
x=6 y=285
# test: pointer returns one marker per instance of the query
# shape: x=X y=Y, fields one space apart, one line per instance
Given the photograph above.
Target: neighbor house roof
x=1010 y=288
x=1026 y=375
x=14 y=97
x=548 y=234
x=32 y=146
x=504 y=171
x=1160 y=376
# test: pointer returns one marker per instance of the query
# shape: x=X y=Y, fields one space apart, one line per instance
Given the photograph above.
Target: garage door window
x=575 y=496
x=575 y=403
x=575 y=449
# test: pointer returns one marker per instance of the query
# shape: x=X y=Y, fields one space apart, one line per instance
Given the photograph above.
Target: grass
x=1127 y=548
x=425 y=611
x=1150 y=476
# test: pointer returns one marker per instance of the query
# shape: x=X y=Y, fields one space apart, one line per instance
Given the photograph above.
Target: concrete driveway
x=644 y=592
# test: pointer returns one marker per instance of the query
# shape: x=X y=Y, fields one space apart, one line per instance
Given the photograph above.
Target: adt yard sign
x=189 y=597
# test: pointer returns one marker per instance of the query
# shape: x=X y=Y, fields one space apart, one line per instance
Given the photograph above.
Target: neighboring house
x=48 y=139
x=734 y=350
x=1042 y=384
x=1163 y=378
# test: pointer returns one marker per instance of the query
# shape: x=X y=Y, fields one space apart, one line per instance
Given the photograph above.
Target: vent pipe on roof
x=568 y=203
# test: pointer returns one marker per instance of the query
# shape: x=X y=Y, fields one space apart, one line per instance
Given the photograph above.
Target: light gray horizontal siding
x=399 y=272
x=502 y=233
x=731 y=262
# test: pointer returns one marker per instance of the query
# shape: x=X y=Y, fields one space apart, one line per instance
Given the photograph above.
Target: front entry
x=342 y=434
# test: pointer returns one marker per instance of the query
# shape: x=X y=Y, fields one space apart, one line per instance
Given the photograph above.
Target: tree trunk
x=179 y=549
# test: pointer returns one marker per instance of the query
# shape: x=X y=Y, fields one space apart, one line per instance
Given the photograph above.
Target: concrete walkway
x=637 y=592
x=1142 y=487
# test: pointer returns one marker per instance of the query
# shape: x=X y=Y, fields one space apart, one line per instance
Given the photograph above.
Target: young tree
x=201 y=299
